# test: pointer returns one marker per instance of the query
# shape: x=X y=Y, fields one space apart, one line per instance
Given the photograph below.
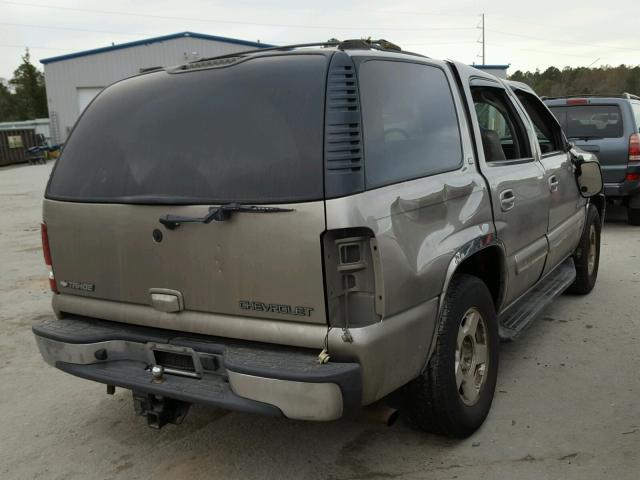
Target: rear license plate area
x=176 y=361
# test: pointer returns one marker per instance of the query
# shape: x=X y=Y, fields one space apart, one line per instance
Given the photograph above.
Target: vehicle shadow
x=615 y=214
x=213 y=443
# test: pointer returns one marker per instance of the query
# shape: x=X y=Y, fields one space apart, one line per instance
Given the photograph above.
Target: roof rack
x=354 y=44
x=626 y=95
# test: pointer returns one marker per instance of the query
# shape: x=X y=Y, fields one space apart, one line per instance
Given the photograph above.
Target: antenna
x=482 y=40
x=484 y=62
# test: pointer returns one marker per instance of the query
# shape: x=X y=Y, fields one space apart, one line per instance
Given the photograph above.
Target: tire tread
x=429 y=402
x=584 y=283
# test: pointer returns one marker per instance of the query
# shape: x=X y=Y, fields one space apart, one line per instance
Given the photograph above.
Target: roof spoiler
x=628 y=96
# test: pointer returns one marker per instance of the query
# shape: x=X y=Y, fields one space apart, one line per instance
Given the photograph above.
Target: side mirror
x=589 y=177
x=568 y=146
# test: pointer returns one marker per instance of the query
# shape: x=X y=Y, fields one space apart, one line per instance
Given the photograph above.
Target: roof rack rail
x=380 y=44
x=594 y=95
x=353 y=44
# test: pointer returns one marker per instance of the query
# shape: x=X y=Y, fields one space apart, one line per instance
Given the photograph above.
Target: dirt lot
x=566 y=404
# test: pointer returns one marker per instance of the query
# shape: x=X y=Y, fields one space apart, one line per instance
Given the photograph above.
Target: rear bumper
x=623 y=189
x=236 y=375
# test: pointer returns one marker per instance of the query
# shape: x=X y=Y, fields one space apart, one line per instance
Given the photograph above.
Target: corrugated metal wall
x=63 y=78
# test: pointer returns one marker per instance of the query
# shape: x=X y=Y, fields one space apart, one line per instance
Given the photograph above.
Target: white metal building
x=73 y=80
x=499 y=71
x=40 y=126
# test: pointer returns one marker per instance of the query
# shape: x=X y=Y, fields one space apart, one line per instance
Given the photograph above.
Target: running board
x=517 y=317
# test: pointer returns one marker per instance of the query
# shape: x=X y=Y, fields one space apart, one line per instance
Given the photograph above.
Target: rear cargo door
x=248 y=133
x=598 y=129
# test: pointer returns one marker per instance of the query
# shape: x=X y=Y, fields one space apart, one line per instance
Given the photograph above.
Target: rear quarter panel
x=419 y=226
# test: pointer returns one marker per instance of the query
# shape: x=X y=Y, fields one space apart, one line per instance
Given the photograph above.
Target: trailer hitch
x=159 y=410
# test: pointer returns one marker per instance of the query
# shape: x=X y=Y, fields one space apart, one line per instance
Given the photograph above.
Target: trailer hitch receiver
x=159 y=410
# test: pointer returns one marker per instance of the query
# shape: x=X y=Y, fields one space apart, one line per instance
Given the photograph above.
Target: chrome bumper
x=237 y=376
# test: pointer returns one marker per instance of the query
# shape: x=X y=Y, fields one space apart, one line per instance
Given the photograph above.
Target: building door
x=85 y=95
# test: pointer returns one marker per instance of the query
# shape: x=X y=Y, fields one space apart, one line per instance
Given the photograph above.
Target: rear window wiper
x=219 y=214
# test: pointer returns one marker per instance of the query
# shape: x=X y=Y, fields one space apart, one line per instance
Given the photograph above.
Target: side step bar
x=520 y=315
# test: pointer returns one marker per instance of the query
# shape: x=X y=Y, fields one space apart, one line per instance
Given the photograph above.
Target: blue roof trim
x=148 y=41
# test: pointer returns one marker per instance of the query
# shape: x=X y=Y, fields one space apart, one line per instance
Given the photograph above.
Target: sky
x=526 y=35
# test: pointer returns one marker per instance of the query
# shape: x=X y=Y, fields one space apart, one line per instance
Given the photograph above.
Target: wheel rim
x=593 y=250
x=472 y=356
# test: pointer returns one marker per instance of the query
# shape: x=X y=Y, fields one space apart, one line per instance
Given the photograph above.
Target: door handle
x=507 y=200
x=553 y=183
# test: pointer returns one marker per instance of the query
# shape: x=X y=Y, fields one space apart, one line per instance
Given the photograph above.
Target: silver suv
x=305 y=231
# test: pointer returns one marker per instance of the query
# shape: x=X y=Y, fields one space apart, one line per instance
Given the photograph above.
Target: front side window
x=410 y=123
x=502 y=133
x=548 y=131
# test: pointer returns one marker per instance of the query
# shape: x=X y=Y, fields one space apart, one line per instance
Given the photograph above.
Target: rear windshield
x=590 y=121
x=249 y=133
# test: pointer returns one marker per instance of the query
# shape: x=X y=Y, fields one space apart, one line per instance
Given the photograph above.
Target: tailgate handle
x=590 y=148
x=165 y=300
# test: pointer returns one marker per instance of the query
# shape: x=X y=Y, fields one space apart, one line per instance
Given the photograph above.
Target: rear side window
x=503 y=135
x=410 y=123
x=590 y=121
x=249 y=133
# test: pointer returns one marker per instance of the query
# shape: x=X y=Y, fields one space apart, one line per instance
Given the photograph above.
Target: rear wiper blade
x=219 y=214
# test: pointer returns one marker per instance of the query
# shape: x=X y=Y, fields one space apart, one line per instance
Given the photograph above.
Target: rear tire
x=633 y=216
x=587 y=255
x=453 y=395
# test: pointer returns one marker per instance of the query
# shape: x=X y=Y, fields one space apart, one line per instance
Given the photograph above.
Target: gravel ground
x=566 y=404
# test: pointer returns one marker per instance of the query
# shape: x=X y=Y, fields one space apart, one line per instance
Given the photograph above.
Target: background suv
x=608 y=127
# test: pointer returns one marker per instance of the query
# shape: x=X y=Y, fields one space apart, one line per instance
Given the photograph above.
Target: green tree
x=29 y=97
x=581 y=80
x=6 y=104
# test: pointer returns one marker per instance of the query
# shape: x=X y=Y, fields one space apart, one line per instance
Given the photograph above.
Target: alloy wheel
x=472 y=356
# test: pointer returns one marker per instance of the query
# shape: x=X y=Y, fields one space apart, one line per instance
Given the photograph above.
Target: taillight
x=47 y=257
x=632 y=177
x=634 y=148
x=577 y=101
x=352 y=275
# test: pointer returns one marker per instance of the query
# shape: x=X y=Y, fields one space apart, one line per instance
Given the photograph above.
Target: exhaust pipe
x=380 y=413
